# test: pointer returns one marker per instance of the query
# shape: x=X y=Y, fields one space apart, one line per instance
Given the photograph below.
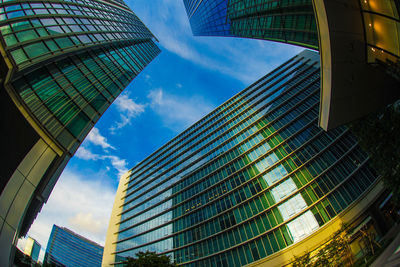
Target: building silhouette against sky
x=358 y=40
x=255 y=177
x=63 y=63
x=66 y=248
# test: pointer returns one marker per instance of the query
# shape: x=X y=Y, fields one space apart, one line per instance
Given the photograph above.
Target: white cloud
x=178 y=112
x=86 y=222
x=86 y=154
x=128 y=109
x=119 y=164
x=82 y=205
x=96 y=138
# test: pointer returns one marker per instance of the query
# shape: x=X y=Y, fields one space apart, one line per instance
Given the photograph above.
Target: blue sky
x=191 y=77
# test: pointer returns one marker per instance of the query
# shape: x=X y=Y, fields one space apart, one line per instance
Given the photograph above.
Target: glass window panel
x=19 y=56
x=64 y=42
x=52 y=45
x=18 y=26
x=15 y=14
x=48 y=21
x=42 y=32
x=26 y=35
x=284 y=189
x=292 y=206
x=302 y=226
x=12 y=8
x=35 y=50
x=381 y=32
x=287 y=235
x=54 y=30
x=275 y=175
x=10 y=39
x=279 y=238
x=5 y=29
x=78 y=124
x=273 y=242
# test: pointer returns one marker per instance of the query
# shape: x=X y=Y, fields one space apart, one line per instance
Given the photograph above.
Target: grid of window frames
x=100 y=46
x=65 y=248
x=248 y=180
x=67 y=97
x=35 y=30
x=185 y=150
x=208 y=17
x=278 y=20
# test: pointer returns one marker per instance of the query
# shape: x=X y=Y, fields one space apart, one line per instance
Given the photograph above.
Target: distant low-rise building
x=32 y=248
x=66 y=248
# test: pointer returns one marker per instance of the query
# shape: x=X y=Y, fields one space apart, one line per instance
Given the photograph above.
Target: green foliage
x=334 y=253
x=378 y=135
x=302 y=261
x=22 y=260
x=45 y=264
x=149 y=259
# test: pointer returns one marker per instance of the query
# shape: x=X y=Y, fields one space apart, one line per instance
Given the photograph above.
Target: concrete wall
x=110 y=246
x=17 y=195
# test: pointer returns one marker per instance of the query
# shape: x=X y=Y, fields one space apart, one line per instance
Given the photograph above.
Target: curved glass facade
x=34 y=30
x=282 y=21
x=250 y=179
x=67 y=97
x=105 y=45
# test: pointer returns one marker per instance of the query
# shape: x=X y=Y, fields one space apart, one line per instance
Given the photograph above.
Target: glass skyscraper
x=66 y=248
x=359 y=44
x=255 y=177
x=282 y=21
x=62 y=64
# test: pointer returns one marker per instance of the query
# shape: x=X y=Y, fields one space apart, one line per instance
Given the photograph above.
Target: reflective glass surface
x=71 y=59
x=279 y=20
x=68 y=96
x=248 y=180
x=35 y=30
x=66 y=248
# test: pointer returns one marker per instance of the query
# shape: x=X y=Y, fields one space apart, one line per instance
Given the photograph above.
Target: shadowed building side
x=359 y=43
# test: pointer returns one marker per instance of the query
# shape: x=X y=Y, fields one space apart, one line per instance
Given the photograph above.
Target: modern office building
x=256 y=181
x=66 y=248
x=62 y=64
x=32 y=249
x=358 y=40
